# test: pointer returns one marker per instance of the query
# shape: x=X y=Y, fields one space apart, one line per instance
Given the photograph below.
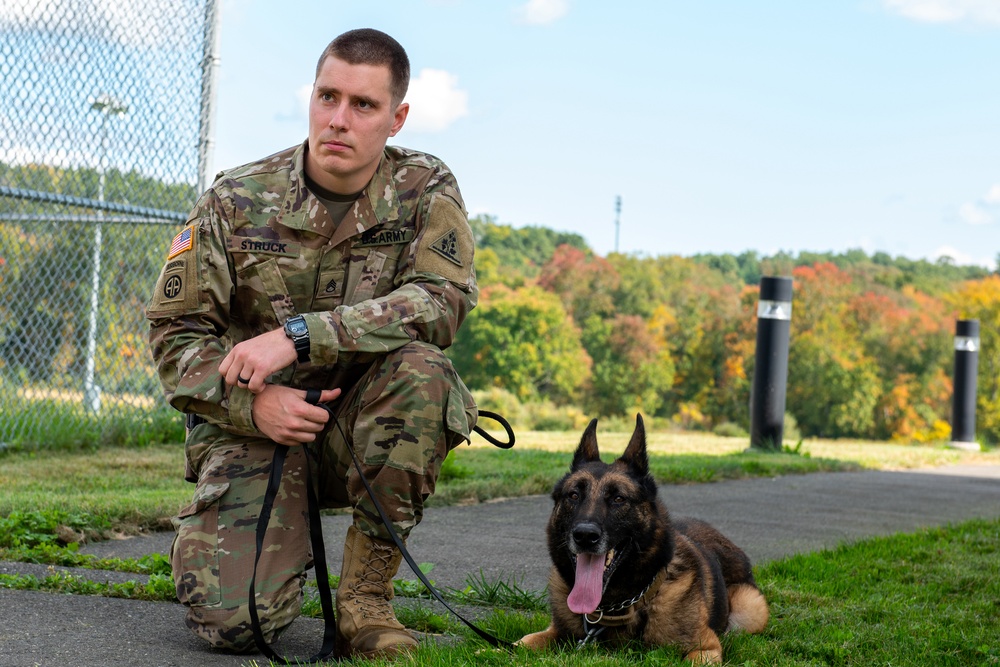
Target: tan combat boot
x=366 y=623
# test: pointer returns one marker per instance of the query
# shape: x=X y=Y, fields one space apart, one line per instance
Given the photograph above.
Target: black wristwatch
x=298 y=331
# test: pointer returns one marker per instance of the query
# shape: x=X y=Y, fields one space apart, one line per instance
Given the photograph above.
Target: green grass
x=930 y=598
x=520 y=472
x=927 y=598
x=119 y=490
x=98 y=493
x=159 y=587
x=54 y=425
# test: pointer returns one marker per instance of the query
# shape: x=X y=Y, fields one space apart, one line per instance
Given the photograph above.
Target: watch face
x=297 y=327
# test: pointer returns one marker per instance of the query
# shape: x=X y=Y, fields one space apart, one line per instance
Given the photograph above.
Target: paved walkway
x=769 y=518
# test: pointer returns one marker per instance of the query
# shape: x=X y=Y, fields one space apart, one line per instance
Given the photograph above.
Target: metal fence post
x=770 y=376
x=963 y=406
x=90 y=197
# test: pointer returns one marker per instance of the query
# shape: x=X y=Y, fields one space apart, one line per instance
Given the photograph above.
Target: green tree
x=632 y=367
x=833 y=385
x=521 y=251
x=585 y=283
x=523 y=341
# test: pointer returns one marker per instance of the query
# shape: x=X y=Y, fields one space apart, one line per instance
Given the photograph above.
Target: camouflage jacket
x=259 y=247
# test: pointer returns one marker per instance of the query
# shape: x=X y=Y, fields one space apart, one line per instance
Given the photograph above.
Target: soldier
x=343 y=265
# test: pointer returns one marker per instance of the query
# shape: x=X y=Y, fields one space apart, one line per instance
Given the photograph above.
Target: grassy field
x=930 y=598
x=125 y=490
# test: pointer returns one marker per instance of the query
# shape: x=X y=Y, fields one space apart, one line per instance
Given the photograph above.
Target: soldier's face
x=351 y=116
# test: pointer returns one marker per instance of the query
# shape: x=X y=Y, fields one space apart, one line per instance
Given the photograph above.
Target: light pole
x=618 y=213
x=107 y=106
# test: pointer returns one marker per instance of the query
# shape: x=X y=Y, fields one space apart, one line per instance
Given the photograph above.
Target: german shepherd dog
x=623 y=570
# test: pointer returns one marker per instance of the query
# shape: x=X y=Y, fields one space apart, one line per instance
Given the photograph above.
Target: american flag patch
x=183 y=241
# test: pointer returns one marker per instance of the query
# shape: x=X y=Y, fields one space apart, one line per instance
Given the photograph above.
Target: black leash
x=319 y=562
x=319 y=550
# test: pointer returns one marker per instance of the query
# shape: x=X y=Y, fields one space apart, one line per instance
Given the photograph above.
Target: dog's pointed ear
x=587 y=451
x=635 y=455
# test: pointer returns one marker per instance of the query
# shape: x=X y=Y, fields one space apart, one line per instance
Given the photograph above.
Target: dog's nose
x=586 y=535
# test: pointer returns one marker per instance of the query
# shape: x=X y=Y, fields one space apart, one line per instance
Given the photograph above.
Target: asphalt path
x=770 y=518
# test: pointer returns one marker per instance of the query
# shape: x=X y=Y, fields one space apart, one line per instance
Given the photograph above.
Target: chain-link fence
x=104 y=140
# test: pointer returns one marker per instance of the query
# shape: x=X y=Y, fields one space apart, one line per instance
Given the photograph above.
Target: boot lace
x=372 y=591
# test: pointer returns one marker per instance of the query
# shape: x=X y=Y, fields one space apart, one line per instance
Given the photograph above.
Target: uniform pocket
x=460 y=417
x=261 y=296
x=194 y=556
x=362 y=285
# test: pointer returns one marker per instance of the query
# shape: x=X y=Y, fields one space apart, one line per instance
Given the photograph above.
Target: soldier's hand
x=282 y=414
x=251 y=362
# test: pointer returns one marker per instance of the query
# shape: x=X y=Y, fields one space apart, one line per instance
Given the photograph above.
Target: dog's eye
x=618 y=500
x=573 y=495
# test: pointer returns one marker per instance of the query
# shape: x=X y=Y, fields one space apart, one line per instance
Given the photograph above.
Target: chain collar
x=594 y=627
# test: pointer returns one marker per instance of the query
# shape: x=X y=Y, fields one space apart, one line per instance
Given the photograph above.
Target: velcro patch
x=262 y=246
x=446 y=245
x=378 y=236
x=176 y=290
x=182 y=242
x=330 y=284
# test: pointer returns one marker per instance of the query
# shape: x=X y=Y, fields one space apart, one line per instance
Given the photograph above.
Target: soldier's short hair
x=367 y=46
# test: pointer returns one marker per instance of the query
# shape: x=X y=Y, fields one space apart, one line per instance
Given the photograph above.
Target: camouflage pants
x=402 y=418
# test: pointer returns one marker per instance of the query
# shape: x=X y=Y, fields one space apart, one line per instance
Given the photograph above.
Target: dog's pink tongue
x=586 y=593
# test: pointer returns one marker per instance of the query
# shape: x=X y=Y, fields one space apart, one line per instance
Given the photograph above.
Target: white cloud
x=983 y=211
x=435 y=101
x=110 y=20
x=543 y=12
x=974 y=214
x=56 y=157
x=947 y=11
x=303 y=95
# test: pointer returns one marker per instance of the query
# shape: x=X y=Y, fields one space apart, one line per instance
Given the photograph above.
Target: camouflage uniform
x=383 y=292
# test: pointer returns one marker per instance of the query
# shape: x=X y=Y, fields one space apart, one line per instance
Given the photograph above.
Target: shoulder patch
x=446 y=246
x=176 y=290
x=182 y=242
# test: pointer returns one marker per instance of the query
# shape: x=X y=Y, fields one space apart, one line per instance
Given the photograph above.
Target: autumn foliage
x=871 y=349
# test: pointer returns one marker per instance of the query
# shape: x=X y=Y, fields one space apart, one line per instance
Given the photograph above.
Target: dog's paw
x=537 y=640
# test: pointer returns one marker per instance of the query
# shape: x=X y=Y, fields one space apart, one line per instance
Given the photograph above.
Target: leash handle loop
x=489 y=438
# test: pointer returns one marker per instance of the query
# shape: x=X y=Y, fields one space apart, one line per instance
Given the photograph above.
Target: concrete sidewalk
x=769 y=518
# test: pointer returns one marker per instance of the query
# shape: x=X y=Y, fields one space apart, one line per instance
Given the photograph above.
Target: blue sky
x=724 y=125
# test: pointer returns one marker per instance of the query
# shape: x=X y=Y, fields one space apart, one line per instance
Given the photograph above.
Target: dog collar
x=639 y=600
x=607 y=618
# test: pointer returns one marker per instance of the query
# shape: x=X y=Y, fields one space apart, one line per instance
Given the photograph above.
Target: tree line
x=871 y=350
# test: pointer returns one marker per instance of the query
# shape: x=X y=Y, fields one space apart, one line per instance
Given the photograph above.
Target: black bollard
x=770 y=375
x=963 y=406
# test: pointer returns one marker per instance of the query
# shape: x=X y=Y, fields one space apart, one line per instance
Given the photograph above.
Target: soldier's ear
x=587 y=452
x=398 y=118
